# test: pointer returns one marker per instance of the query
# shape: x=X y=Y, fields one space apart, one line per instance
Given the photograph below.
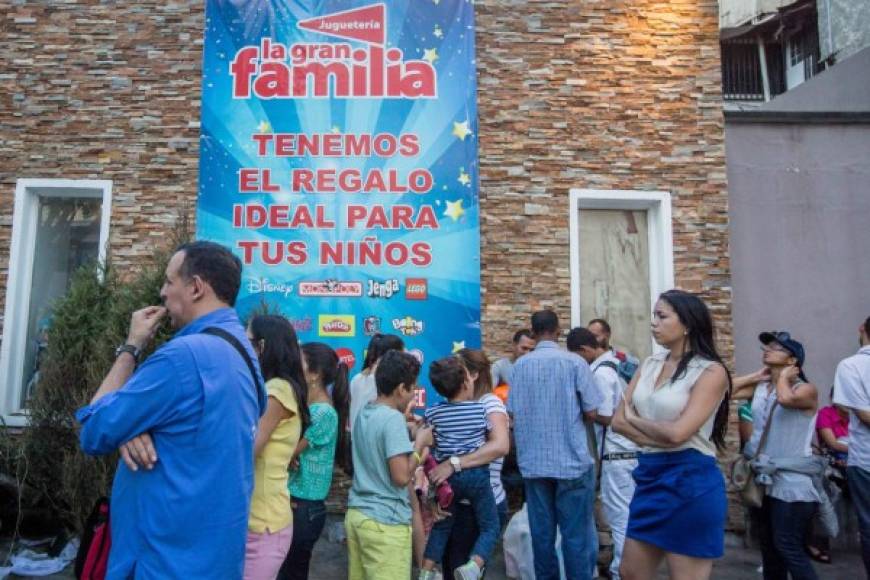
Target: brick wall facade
x=601 y=94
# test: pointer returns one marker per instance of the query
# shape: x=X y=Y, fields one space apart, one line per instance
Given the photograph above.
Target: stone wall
x=597 y=94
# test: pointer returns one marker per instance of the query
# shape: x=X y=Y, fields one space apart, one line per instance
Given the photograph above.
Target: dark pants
x=465 y=532
x=309 y=517
x=859 y=489
x=783 y=532
x=566 y=503
x=472 y=485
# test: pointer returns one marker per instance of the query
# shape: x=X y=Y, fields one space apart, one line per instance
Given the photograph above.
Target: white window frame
x=657 y=204
x=20 y=277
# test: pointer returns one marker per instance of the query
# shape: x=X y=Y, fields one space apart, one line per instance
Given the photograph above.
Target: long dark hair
x=476 y=361
x=380 y=344
x=281 y=357
x=695 y=316
x=324 y=362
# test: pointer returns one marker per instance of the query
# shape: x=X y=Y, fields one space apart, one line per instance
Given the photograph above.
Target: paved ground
x=330 y=562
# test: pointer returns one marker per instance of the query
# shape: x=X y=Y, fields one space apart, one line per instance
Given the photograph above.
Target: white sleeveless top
x=668 y=401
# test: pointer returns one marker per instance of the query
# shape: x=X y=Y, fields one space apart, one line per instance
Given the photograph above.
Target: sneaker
x=468 y=571
x=426 y=575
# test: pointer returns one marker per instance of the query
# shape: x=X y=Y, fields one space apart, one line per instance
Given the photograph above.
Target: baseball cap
x=785 y=340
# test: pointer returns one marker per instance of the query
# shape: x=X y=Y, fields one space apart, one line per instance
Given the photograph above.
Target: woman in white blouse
x=676 y=409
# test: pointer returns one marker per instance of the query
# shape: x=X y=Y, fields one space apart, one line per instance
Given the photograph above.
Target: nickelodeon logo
x=336 y=325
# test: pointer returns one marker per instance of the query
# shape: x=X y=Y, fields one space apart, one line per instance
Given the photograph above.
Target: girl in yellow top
x=270 y=525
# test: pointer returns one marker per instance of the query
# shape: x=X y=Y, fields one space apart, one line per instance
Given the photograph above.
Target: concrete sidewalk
x=330 y=562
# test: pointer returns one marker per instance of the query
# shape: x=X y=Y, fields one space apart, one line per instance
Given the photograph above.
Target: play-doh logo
x=364 y=69
x=336 y=325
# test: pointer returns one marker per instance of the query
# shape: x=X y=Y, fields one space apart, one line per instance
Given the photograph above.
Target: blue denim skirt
x=679 y=504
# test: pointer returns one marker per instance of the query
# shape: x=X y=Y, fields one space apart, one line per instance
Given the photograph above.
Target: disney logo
x=257 y=285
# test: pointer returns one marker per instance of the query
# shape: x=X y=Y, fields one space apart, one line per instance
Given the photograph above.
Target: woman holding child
x=676 y=409
x=465 y=530
x=460 y=426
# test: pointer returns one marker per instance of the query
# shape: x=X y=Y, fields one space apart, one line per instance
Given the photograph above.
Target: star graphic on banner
x=457 y=346
x=461 y=130
x=264 y=127
x=438 y=33
x=335 y=129
x=463 y=178
x=430 y=55
x=454 y=210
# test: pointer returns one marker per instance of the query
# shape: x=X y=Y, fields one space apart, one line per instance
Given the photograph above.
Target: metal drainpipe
x=762 y=57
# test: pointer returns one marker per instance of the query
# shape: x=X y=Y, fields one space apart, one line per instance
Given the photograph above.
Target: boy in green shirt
x=378 y=520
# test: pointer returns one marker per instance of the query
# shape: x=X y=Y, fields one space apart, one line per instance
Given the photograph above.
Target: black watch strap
x=130 y=349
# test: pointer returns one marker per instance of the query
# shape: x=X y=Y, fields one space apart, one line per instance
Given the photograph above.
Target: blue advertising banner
x=338 y=159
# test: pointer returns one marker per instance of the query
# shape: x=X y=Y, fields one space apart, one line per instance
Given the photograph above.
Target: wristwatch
x=454 y=461
x=128 y=348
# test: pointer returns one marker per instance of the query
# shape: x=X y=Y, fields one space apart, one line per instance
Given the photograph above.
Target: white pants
x=617 y=489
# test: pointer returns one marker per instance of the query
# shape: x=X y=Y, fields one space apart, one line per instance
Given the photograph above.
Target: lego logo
x=416 y=289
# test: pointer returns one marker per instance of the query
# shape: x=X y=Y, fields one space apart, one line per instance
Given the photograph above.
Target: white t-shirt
x=363 y=390
x=501 y=371
x=493 y=404
x=612 y=387
x=852 y=389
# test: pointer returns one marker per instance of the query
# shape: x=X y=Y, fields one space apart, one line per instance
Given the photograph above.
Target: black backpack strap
x=221 y=333
x=609 y=364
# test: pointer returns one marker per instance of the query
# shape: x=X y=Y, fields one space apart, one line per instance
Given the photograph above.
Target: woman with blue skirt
x=676 y=409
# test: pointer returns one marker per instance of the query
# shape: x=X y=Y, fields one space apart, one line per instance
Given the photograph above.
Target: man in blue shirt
x=185 y=423
x=551 y=395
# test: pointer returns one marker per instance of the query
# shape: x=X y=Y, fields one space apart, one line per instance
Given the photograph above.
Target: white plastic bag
x=519 y=560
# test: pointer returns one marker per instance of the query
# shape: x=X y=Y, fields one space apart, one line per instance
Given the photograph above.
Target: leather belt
x=620 y=456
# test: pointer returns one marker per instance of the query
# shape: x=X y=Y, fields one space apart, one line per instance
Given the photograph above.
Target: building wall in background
x=799 y=238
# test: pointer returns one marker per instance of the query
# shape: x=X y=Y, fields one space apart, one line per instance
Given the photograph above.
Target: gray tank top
x=791 y=435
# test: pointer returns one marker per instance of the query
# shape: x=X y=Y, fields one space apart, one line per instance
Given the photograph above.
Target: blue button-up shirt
x=187 y=517
x=550 y=390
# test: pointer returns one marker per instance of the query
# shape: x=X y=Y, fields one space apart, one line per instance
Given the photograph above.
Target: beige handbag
x=742 y=477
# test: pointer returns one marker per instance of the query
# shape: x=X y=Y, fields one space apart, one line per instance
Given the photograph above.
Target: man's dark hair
x=447 y=376
x=216 y=265
x=522 y=333
x=601 y=322
x=867 y=327
x=544 y=322
x=396 y=368
x=579 y=337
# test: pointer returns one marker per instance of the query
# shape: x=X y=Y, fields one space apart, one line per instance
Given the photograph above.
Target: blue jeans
x=783 y=533
x=859 y=489
x=309 y=517
x=473 y=485
x=465 y=533
x=566 y=503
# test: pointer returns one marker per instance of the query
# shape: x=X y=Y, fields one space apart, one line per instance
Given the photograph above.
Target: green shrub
x=88 y=323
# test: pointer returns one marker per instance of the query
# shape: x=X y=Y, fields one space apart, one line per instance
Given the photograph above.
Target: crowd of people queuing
x=229 y=436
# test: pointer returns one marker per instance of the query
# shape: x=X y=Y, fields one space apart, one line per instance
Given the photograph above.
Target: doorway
x=621 y=260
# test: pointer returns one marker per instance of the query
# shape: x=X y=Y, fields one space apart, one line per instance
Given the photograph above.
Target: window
x=65 y=224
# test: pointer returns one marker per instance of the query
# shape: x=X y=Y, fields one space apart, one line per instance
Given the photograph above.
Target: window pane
x=67 y=236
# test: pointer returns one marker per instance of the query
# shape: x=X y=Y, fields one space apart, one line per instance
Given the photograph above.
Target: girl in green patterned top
x=325 y=443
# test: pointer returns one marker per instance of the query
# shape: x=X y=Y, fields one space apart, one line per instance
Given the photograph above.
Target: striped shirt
x=458 y=428
x=550 y=391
